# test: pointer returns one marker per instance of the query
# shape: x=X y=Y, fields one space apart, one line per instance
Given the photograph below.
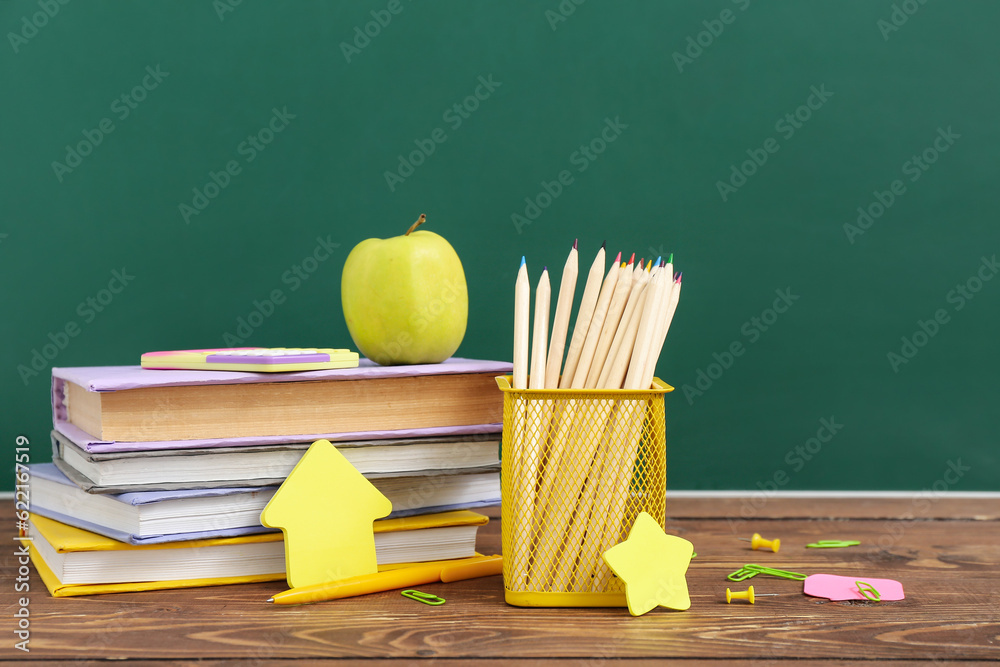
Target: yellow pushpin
x=747 y=595
x=756 y=542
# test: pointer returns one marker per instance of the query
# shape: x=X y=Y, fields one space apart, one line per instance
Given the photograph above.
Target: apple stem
x=421 y=220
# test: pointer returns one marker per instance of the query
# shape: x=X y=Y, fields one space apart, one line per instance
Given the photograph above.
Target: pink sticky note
x=835 y=587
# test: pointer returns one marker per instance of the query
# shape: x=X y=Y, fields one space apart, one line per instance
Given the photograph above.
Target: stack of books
x=159 y=476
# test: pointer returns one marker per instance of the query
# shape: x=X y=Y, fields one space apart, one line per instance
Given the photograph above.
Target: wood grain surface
x=949 y=567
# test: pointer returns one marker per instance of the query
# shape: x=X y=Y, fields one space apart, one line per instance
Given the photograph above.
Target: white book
x=265 y=465
x=167 y=516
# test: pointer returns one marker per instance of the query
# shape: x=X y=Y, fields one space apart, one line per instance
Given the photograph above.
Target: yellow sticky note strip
x=652 y=566
x=325 y=508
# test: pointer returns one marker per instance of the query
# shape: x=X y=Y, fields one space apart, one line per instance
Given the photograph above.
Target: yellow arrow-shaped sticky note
x=325 y=508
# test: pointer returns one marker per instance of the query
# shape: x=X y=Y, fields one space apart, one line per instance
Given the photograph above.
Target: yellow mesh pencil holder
x=578 y=467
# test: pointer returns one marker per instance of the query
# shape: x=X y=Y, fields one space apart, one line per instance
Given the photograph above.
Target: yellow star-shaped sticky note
x=652 y=565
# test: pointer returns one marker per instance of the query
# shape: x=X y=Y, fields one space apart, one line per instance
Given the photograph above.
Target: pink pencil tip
x=631 y=260
x=618 y=258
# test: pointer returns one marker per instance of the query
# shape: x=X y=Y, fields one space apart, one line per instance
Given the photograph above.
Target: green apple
x=405 y=299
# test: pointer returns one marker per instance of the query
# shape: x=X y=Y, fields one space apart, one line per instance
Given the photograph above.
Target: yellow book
x=72 y=561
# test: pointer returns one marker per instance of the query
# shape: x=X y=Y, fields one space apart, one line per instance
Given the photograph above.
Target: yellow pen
x=468 y=568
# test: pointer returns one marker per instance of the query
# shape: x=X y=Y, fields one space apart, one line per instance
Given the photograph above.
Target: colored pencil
x=522 y=298
x=560 y=324
x=583 y=316
x=611 y=324
x=536 y=379
x=596 y=324
x=613 y=373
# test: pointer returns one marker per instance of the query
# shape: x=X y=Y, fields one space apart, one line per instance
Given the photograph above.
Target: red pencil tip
x=631 y=260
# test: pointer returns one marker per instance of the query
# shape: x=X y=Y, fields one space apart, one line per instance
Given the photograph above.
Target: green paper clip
x=752 y=570
x=832 y=544
x=426 y=598
x=741 y=574
x=785 y=574
x=868 y=591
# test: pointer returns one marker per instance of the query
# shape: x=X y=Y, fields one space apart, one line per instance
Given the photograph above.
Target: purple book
x=117 y=378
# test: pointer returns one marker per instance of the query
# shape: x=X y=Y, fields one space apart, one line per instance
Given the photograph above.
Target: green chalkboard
x=824 y=173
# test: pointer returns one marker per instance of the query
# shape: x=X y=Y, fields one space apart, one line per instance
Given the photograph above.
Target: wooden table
x=946 y=552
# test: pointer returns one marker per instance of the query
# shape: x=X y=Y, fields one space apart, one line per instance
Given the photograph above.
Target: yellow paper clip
x=756 y=542
x=426 y=598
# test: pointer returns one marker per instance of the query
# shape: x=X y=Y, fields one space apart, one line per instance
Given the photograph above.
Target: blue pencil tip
x=522 y=260
x=657 y=262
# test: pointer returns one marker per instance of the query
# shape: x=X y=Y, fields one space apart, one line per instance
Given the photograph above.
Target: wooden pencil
x=668 y=317
x=612 y=321
x=583 y=316
x=522 y=298
x=536 y=379
x=560 y=324
x=647 y=330
x=616 y=365
x=597 y=323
